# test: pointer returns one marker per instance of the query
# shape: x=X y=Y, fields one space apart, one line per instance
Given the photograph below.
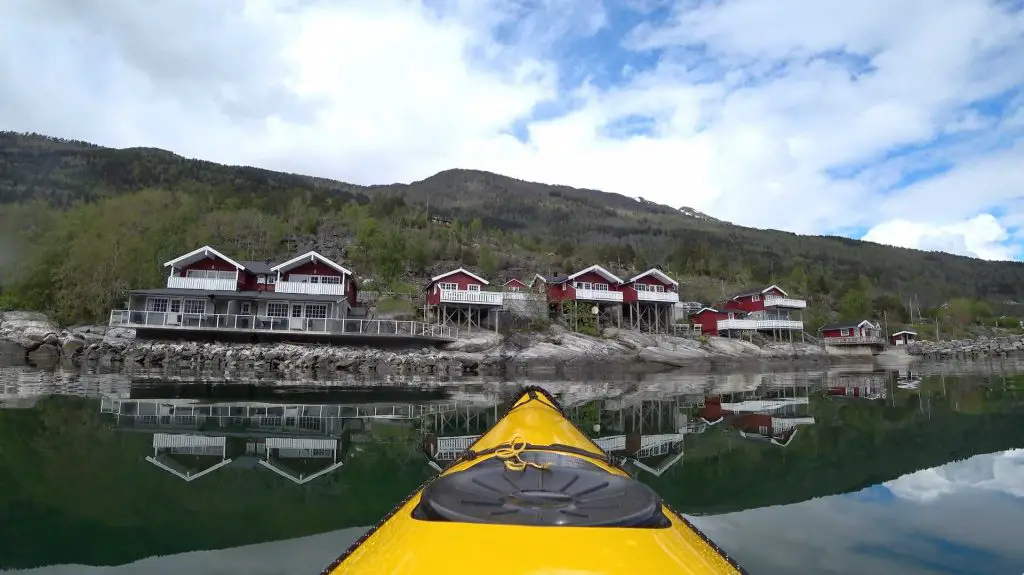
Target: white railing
x=260 y=323
x=776 y=301
x=466 y=296
x=450 y=448
x=665 y=296
x=309 y=289
x=598 y=295
x=756 y=324
x=854 y=339
x=211 y=284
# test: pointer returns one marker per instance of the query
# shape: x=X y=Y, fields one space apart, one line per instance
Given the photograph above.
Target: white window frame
x=286 y=312
x=448 y=286
x=174 y=306
x=762 y=429
x=600 y=287
x=296 y=310
x=310 y=306
x=244 y=308
x=153 y=304
x=186 y=309
x=583 y=285
x=513 y=288
x=472 y=287
x=211 y=274
x=845 y=332
x=755 y=297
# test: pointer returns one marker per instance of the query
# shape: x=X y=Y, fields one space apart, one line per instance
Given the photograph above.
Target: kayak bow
x=537 y=484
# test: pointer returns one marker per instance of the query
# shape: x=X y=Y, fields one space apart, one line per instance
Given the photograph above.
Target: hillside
x=61 y=198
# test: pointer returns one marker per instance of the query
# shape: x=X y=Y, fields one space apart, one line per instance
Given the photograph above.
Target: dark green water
x=912 y=471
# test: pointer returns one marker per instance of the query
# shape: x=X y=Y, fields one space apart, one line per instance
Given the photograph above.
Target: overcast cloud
x=899 y=121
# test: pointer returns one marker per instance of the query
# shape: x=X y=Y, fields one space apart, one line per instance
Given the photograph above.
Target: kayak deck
x=533 y=495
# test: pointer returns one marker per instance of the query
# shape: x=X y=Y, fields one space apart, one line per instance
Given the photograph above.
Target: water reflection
x=113 y=468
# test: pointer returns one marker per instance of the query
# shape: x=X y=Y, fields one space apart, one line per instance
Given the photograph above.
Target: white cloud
x=1002 y=472
x=981 y=237
x=753 y=107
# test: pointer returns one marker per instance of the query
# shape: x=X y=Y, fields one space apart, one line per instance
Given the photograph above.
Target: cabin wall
x=462 y=280
x=313 y=268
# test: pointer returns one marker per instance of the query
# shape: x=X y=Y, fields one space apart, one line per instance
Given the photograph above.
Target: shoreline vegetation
x=40 y=341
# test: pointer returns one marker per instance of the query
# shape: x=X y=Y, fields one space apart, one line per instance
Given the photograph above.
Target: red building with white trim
x=460 y=298
x=208 y=292
x=853 y=333
x=770 y=310
x=649 y=298
x=595 y=286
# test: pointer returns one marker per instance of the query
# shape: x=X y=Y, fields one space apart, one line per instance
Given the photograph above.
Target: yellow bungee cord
x=509 y=453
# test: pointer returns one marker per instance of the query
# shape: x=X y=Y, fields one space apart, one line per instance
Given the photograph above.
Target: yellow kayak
x=533 y=495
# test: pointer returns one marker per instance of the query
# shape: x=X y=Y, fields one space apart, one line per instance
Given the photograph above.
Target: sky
x=894 y=121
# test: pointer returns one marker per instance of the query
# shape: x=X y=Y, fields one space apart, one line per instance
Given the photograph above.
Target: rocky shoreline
x=45 y=344
x=968 y=348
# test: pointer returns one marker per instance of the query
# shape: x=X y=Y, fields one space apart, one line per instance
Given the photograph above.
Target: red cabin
x=653 y=286
x=764 y=298
x=708 y=319
x=514 y=285
x=593 y=284
x=457 y=298
x=862 y=332
x=312 y=273
x=208 y=291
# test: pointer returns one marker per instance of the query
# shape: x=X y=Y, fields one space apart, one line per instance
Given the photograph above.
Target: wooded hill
x=81 y=223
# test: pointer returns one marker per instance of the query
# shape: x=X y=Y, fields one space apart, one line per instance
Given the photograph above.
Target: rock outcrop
x=968 y=348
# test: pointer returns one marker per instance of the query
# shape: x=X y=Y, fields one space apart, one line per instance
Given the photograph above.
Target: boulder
x=28 y=329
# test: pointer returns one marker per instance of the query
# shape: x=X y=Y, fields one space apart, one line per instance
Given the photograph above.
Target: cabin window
x=316 y=310
x=314 y=279
x=210 y=274
x=845 y=332
x=600 y=287
x=473 y=287
x=762 y=429
x=277 y=309
x=195 y=306
x=513 y=288
x=296 y=310
x=583 y=285
x=266 y=279
x=158 y=304
x=451 y=286
x=641 y=287
x=175 y=306
x=755 y=297
x=244 y=308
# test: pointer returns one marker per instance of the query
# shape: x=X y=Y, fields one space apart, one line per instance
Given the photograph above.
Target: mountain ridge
x=510 y=224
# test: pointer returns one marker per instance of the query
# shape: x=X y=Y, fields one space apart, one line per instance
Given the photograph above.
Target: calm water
x=846 y=470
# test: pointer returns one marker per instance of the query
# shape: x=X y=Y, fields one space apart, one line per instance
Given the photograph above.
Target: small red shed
x=904 y=337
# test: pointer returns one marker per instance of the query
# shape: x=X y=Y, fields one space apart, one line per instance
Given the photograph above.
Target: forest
x=81 y=224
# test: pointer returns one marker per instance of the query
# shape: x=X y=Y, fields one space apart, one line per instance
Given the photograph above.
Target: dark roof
x=842 y=325
x=240 y=295
x=257 y=267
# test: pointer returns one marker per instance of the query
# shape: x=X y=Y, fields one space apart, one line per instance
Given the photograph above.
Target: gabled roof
x=598 y=270
x=517 y=280
x=655 y=272
x=846 y=325
x=310 y=255
x=704 y=309
x=758 y=291
x=460 y=270
x=201 y=253
x=906 y=331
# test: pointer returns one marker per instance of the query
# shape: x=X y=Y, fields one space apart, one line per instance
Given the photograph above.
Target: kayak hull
x=410 y=540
